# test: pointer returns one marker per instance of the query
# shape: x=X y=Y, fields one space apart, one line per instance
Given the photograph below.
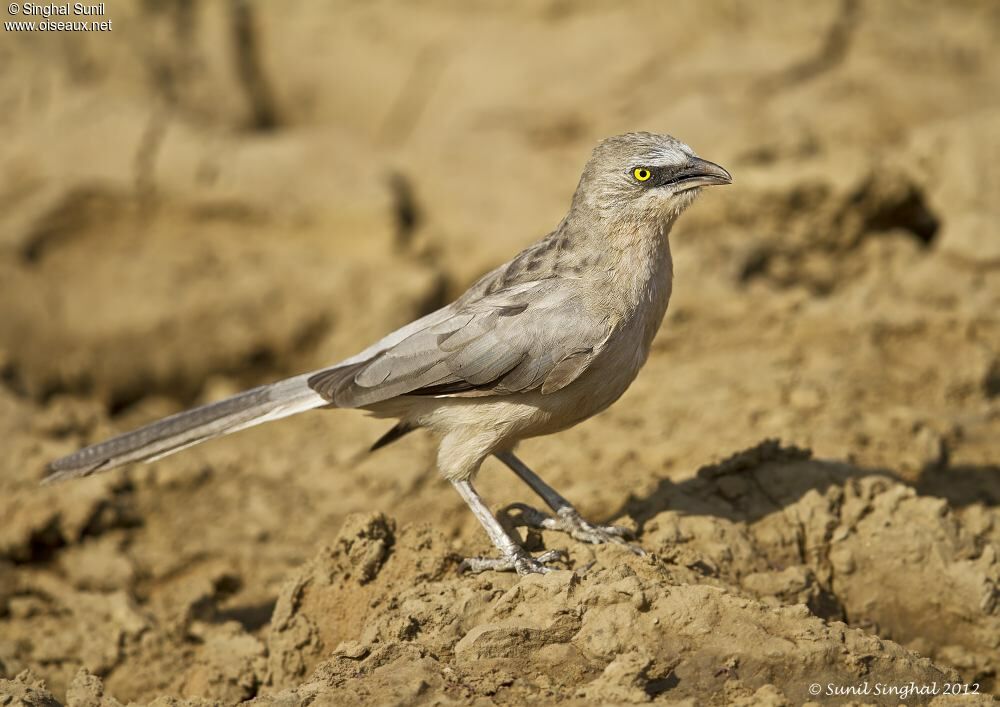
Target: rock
x=26 y=690
x=87 y=690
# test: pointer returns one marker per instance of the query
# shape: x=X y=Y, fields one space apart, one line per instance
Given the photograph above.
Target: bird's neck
x=628 y=265
x=639 y=285
x=630 y=252
x=640 y=277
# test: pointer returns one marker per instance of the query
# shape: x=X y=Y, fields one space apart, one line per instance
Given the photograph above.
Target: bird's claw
x=520 y=562
x=568 y=521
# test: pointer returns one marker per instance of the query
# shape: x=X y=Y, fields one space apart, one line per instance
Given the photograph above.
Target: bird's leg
x=513 y=556
x=567 y=519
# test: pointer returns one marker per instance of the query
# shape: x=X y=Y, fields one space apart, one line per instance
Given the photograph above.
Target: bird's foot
x=568 y=520
x=519 y=561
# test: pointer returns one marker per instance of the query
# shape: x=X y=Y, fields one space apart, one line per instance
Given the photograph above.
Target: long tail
x=171 y=434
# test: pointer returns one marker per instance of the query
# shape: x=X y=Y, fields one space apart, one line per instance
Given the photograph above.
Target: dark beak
x=701 y=173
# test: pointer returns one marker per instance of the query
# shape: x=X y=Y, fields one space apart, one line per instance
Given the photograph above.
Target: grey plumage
x=524 y=337
x=540 y=343
x=171 y=434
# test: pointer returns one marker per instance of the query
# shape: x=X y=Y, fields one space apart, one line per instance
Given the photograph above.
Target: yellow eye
x=641 y=173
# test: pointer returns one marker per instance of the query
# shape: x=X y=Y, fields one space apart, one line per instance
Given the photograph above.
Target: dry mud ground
x=215 y=195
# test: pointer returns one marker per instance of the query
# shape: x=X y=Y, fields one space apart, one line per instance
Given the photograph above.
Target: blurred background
x=214 y=195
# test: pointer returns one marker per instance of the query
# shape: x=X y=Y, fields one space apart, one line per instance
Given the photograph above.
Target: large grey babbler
x=541 y=343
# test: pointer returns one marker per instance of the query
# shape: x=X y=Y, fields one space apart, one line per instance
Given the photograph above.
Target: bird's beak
x=701 y=173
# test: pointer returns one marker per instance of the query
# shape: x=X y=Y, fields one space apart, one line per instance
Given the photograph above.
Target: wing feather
x=530 y=336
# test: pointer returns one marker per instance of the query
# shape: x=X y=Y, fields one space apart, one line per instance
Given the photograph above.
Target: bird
x=537 y=345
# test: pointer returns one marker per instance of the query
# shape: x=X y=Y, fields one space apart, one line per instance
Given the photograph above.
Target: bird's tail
x=171 y=434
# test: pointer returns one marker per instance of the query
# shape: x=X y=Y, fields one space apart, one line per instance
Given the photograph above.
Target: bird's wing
x=535 y=335
x=500 y=337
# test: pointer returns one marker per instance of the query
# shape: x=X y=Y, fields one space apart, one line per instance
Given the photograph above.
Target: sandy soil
x=215 y=195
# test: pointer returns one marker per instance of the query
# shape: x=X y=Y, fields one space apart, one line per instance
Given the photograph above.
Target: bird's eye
x=641 y=174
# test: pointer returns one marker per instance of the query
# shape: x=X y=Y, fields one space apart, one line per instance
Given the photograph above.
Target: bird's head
x=643 y=176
